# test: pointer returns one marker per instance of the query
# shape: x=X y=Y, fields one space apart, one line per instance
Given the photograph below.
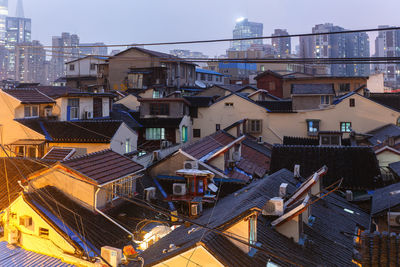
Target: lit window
x=312 y=127
x=345 y=127
x=155 y=133
x=128 y=147
x=73 y=109
x=253 y=230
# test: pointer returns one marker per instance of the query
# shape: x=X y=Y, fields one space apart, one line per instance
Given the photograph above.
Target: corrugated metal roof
x=11 y=256
x=209 y=72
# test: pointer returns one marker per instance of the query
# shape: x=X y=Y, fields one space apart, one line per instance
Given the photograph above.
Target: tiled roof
x=235 y=88
x=388 y=99
x=309 y=141
x=56 y=91
x=29 y=96
x=17 y=170
x=199 y=101
x=278 y=106
x=255 y=158
x=59 y=154
x=381 y=134
x=380 y=199
x=312 y=89
x=330 y=246
x=120 y=112
x=63 y=212
x=90 y=131
x=357 y=166
x=395 y=167
x=12 y=256
x=103 y=166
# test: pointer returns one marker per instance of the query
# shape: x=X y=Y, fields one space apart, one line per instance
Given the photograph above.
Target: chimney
x=296 y=171
x=283 y=190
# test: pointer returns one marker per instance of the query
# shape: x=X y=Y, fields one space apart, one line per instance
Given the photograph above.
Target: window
x=312 y=127
x=184 y=134
x=209 y=77
x=155 y=133
x=20 y=151
x=25 y=221
x=228 y=104
x=200 y=187
x=122 y=187
x=344 y=87
x=159 y=109
x=72 y=67
x=128 y=147
x=330 y=140
x=43 y=232
x=196 y=133
x=262 y=67
x=31 y=111
x=202 y=77
x=92 y=66
x=31 y=152
x=252 y=230
x=254 y=126
x=345 y=127
x=217 y=127
x=352 y=102
x=73 y=109
x=325 y=100
x=156 y=94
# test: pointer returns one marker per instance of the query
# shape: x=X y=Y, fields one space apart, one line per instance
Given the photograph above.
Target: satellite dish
x=200 y=84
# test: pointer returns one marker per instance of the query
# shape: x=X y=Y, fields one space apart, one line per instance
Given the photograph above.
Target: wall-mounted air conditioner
x=179 y=189
x=191 y=165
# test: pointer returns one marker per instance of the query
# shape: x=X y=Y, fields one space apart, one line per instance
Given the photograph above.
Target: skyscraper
x=283 y=45
x=65 y=48
x=246 y=29
x=387 y=44
x=18 y=30
x=98 y=49
x=337 y=46
x=30 y=62
x=3 y=15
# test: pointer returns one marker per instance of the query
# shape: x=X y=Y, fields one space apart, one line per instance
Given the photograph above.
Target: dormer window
x=31 y=111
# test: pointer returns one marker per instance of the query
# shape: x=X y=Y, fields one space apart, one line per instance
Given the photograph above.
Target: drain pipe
x=108 y=217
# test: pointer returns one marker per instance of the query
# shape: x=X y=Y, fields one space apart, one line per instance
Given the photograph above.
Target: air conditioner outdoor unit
x=179 y=189
x=150 y=193
x=88 y=115
x=274 y=207
x=191 y=165
x=112 y=255
x=394 y=218
x=13 y=236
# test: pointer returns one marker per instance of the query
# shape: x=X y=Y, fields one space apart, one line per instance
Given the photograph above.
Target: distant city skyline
x=133 y=26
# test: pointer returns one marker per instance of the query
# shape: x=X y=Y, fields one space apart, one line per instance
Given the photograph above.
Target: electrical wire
x=224 y=40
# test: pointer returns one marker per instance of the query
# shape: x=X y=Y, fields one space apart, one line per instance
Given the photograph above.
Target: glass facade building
x=3 y=16
x=246 y=29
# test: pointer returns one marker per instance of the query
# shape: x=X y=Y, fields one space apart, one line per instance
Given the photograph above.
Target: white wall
x=118 y=140
x=375 y=83
x=85 y=104
x=82 y=67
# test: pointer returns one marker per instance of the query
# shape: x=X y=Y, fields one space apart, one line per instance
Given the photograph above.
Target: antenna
x=19 y=13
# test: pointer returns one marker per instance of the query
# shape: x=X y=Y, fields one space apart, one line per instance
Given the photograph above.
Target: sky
x=146 y=21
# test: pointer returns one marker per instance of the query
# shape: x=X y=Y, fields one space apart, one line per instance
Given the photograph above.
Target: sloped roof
x=56 y=91
x=63 y=212
x=199 y=101
x=90 y=131
x=235 y=88
x=255 y=158
x=380 y=199
x=104 y=166
x=358 y=166
x=59 y=154
x=208 y=72
x=381 y=134
x=388 y=99
x=277 y=106
x=120 y=112
x=15 y=256
x=312 y=89
x=17 y=170
x=331 y=247
x=395 y=167
x=29 y=96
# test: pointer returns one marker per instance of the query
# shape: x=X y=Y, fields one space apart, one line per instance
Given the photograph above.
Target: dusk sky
x=133 y=21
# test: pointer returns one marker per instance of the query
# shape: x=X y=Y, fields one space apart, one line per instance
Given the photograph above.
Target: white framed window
x=128 y=147
x=155 y=133
x=325 y=100
x=31 y=111
x=255 y=126
x=73 y=105
x=123 y=187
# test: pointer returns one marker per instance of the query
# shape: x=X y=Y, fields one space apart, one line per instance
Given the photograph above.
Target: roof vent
x=349 y=195
x=274 y=207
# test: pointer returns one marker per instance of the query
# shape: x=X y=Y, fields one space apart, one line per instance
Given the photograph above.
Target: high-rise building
x=65 y=48
x=18 y=31
x=344 y=45
x=3 y=16
x=282 y=45
x=98 y=49
x=387 y=44
x=30 y=62
x=246 y=29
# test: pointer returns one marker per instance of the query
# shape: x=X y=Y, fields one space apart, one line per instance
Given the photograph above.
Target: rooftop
x=382 y=198
x=59 y=154
x=104 y=166
x=208 y=72
x=29 y=96
x=15 y=256
x=381 y=134
x=329 y=245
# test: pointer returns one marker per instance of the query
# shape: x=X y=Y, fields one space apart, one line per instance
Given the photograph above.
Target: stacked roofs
x=327 y=245
x=59 y=154
x=254 y=159
x=30 y=96
x=357 y=166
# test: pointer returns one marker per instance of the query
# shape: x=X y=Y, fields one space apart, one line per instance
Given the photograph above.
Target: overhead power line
x=224 y=40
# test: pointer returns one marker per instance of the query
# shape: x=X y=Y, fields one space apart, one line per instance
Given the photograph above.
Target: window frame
x=155 y=134
x=196 y=133
x=157 y=109
x=71 y=67
x=352 y=102
x=31 y=108
x=255 y=126
x=316 y=127
x=347 y=126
